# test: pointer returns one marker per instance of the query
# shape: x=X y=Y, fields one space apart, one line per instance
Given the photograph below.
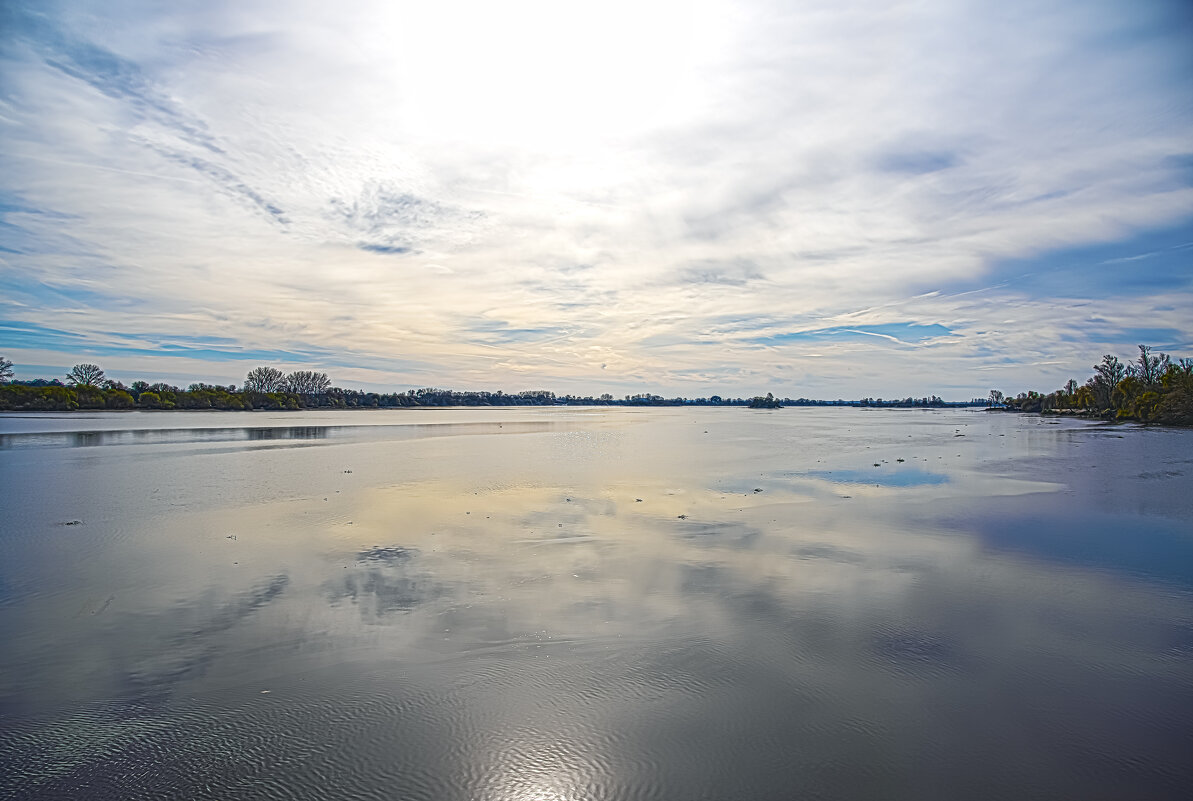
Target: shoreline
x=1108 y=416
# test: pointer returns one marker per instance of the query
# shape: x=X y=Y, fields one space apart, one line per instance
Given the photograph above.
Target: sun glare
x=548 y=76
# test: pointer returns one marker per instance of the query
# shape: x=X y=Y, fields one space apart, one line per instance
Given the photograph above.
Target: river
x=594 y=603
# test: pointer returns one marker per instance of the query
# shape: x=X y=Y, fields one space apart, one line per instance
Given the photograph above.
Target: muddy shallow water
x=567 y=603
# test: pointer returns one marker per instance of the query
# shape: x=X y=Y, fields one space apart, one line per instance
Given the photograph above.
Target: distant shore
x=1153 y=389
x=745 y=405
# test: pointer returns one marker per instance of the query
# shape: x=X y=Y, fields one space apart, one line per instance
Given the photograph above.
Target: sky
x=817 y=199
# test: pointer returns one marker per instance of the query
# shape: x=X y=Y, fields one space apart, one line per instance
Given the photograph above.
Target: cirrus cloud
x=691 y=198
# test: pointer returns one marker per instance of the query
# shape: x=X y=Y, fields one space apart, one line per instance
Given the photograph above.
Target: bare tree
x=1148 y=368
x=307 y=382
x=85 y=375
x=1105 y=379
x=264 y=379
x=5 y=370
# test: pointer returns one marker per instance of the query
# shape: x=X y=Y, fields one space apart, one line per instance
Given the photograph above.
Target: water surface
x=573 y=603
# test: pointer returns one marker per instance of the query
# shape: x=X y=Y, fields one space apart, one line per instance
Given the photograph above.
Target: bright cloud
x=692 y=198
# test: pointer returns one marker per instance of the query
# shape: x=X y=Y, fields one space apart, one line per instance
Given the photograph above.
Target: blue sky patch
x=386 y=250
x=917 y=162
x=1145 y=263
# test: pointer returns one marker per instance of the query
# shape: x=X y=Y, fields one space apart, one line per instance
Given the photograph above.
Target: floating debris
x=73 y=523
x=682 y=517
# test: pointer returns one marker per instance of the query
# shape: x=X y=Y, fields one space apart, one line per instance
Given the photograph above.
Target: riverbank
x=1105 y=415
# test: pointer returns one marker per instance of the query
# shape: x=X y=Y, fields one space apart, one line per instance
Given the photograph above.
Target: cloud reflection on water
x=494 y=613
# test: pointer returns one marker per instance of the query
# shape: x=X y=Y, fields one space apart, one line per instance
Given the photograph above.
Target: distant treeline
x=1154 y=388
x=87 y=387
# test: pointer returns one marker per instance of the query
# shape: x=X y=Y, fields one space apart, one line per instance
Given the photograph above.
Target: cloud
x=394 y=221
x=730 y=273
x=223 y=178
x=118 y=78
x=814 y=199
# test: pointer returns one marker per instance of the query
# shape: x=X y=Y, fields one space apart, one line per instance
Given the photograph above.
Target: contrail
x=873 y=334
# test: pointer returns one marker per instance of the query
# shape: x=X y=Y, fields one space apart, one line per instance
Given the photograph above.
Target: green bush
x=119 y=399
